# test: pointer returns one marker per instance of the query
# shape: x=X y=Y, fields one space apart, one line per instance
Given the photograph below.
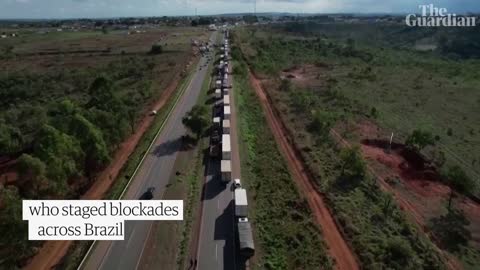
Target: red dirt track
x=52 y=252
x=338 y=247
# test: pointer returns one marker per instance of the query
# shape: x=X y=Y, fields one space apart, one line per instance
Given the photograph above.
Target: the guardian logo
x=432 y=16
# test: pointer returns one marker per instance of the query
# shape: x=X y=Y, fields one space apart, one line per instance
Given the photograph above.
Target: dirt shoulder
x=338 y=247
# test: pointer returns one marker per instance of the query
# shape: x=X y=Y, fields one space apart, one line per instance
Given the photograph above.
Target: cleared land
x=321 y=81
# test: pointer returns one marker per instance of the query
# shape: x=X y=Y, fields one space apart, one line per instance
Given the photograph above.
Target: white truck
x=226 y=126
x=218 y=93
x=226 y=112
x=226 y=147
x=226 y=100
x=241 y=204
x=226 y=170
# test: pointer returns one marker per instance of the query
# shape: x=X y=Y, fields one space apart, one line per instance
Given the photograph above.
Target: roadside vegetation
x=64 y=115
x=319 y=81
x=286 y=236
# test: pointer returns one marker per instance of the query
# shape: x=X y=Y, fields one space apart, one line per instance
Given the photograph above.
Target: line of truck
x=221 y=148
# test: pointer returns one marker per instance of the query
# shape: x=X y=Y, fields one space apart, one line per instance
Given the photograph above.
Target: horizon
x=108 y=9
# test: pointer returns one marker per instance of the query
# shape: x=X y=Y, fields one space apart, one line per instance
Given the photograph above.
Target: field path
x=338 y=247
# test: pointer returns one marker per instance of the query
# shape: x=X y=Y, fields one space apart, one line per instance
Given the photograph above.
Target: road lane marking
x=178 y=98
x=144 y=245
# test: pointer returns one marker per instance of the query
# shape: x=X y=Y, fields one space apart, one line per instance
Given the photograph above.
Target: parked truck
x=226 y=147
x=226 y=100
x=226 y=170
x=241 y=204
x=226 y=112
x=218 y=93
x=226 y=126
x=245 y=238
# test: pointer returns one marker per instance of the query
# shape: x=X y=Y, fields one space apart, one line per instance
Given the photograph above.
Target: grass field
x=285 y=235
x=327 y=81
x=407 y=89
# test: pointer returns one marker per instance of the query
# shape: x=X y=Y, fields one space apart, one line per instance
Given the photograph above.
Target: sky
x=45 y=9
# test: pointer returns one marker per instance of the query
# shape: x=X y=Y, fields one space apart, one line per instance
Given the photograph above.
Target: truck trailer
x=226 y=170
x=226 y=100
x=241 y=204
x=226 y=126
x=218 y=93
x=226 y=112
x=245 y=239
x=226 y=147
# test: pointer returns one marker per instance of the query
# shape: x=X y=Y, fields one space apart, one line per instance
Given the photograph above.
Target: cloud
x=116 y=8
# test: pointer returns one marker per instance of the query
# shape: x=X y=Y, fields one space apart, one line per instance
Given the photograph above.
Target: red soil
x=419 y=191
x=52 y=252
x=338 y=247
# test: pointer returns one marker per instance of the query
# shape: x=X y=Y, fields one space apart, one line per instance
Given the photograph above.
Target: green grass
x=285 y=235
x=381 y=236
x=408 y=89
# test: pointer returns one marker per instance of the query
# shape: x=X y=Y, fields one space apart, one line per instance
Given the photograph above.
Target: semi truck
x=226 y=147
x=226 y=100
x=226 y=112
x=245 y=238
x=226 y=126
x=241 y=204
x=218 y=93
x=226 y=170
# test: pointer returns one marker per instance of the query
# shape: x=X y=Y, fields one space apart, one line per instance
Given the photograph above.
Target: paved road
x=217 y=247
x=155 y=172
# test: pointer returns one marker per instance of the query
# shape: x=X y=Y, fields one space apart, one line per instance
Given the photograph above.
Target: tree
x=350 y=47
x=399 y=253
x=62 y=154
x=104 y=30
x=103 y=96
x=156 y=49
x=419 y=139
x=459 y=181
x=285 y=85
x=353 y=165
x=114 y=127
x=31 y=172
x=451 y=230
x=11 y=139
x=14 y=236
x=196 y=120
x=92 y=142
x=321 y=123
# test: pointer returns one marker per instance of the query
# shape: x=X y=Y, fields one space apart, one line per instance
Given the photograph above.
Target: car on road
x=237 y=183
x=242 y=219
x=147 y=195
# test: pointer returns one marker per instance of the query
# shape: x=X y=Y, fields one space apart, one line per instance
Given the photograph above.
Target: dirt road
x=338 y=248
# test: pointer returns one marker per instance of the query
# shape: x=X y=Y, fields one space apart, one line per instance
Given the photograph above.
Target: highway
x=217 y=247
x=154 y=172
